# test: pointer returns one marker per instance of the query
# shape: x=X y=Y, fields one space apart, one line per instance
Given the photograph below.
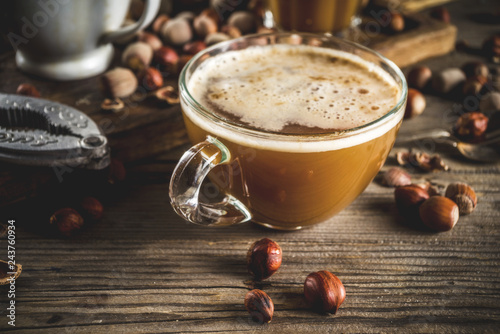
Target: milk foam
x=281 y=88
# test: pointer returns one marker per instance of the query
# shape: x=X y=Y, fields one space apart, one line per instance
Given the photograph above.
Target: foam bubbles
x=272 y=87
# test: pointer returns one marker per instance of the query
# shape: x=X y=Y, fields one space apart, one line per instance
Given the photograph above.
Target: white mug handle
x=151 y=8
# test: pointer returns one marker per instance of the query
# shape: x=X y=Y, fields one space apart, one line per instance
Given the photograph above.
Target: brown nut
x=415 y=105
x=193 y=48
x=112 y=105
x=491 y=46
x=216 y=38
x=463 y=195
x=119 y=82
x=167 y=94
x=245 y=21
x=490 y=102
x=116 y=171
x=159 y=22
x=474 y=84
x=176 y=32
x=6 y=270
x=204 y=25
x=446 y=80
x=324 y=291
x=471 y=126
x=439 y=213
x=397 y=22
x=231 y=31
x=91 y=208
x=150 y=78
x=259 y=305
x=441 y=14
x=263 y=258
x=68 y=221
x=137 y=56
x=150 y=39
x=419 y=77
x=474 y=68
x=409 y=198
x=167 y=58
x=27 y=89
x=396 y=177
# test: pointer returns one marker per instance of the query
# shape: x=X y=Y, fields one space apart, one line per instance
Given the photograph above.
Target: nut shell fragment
x=5 y=269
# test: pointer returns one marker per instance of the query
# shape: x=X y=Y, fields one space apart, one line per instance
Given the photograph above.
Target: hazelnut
x=446 y=80
x=159 y=22
x=119 y=82
x=183 y=60
x=324 y=291
x=193 y=48
x=137 y=56
x=415 y=105
x=91 y=208
x=167 y=94
x=263 y=258
x=471 y=126
x=409 y=198
x=491 y=46
x=204 y=25
x=112 y=105
x=490 y=102
x=231 y=31
x=259 y=305
x=116 y=171
x=474 y=68
x=6 y=268
x=463 y=195
x=150 y=39
x=419 y=77
x=397 y=22
x=245 y=21
x=396 y=177
x=27 y=89
x=439 y=213
x=151 y=78
x=67 y=220
x=176 y=32
x=167 y=58
x=441 y=14
x=216 y=38
x=474 y=84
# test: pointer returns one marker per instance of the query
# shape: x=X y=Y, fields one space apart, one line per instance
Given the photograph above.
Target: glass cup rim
x=233 y=126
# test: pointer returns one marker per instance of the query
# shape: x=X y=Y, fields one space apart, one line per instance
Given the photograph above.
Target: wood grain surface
x=142 y=269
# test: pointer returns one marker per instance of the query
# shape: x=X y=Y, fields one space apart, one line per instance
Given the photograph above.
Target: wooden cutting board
x=146 y=128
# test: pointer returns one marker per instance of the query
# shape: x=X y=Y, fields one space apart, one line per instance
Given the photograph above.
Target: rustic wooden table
x=142 y=269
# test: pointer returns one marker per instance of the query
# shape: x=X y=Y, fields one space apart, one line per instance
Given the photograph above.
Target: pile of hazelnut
x=323 y=290
x=167 y=45
x=423 y=202
x=475 y=85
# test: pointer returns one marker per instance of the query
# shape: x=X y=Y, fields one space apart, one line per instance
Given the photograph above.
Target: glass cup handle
x=186 y=182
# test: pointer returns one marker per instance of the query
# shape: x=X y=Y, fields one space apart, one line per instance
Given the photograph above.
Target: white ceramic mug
x=70 y=39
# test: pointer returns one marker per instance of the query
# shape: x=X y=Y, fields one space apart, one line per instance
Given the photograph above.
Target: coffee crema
x=293 y=89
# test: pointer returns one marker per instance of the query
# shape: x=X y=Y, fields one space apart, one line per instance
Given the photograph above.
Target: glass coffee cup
x=291 y=158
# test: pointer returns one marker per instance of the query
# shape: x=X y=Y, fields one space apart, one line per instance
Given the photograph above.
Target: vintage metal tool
x=38 y=132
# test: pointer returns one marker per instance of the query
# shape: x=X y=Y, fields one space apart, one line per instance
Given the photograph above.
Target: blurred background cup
x=318 y=16
x=70 y=39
